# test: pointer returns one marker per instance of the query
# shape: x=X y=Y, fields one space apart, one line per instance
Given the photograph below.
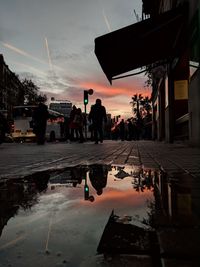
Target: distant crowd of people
x=77 y=121
x=73 y=126
x=133 y=129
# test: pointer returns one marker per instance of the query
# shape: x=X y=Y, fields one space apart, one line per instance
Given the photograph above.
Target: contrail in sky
x=21 y=52
x=104 y=16
x=36 y=70
x=24 y=53
x=48 y=54
x=106 y=20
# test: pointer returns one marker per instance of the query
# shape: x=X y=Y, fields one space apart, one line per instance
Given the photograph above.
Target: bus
x=22 y=128
x=61 y=106
x=55 y=126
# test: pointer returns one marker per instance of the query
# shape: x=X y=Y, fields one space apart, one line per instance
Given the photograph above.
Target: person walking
x=97 y=115
x=78 y=124
x=72 y=125
x=40 y=117
x=122 y=130
x=4 y=127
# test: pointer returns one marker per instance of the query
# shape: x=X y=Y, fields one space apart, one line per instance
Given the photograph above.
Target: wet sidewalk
x=24 y=159
x=175 y=169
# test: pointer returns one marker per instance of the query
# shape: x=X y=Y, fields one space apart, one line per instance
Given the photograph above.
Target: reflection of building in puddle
x=143 y=179
x=94 y=178
x=179 y=192
x=20 y=193
x=177 y=198
x=70 y=177
x=121 y=237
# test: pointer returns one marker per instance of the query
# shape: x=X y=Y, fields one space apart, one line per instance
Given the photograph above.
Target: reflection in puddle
x=180 y=201
x=59 y=218
x=20 y=194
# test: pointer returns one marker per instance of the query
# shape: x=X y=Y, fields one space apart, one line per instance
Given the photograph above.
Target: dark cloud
x=8 y=33
x=65 y=56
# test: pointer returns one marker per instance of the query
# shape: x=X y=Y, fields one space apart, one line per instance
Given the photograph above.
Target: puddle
x=58 y=219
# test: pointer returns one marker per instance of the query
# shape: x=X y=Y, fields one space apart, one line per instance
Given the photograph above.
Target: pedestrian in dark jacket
x=122 y=130
x=78 y=122
x=72 y=125
x=40 y=117
x=4 y=127
x=97 y=115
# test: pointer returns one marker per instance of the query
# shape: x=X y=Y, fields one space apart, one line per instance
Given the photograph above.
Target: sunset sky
x=52 y=43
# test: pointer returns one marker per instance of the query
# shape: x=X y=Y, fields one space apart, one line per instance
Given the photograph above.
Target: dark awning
x=142 y=43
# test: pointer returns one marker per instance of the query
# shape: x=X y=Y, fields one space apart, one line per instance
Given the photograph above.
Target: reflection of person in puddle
x=98 y=177
x=77 y=175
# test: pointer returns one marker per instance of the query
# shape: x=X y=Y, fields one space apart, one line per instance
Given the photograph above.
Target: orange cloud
x=117 y=198
x=116 y=98
x=105 y=90
x=111 y=91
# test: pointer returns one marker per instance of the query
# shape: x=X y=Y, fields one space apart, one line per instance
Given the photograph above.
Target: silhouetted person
x=97 y=115
x=4 y=127
x=122 y=130
x=147 y=126
x=130 y=129
x=139 y=127
x=72 y=125
x=66 y=129
x=40 y=117
x=78 y=124
x=98 y=177
x=91 y=130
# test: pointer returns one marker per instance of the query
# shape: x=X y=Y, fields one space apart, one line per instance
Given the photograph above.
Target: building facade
x=175 y=86
x=167 y=42
x=11 y=89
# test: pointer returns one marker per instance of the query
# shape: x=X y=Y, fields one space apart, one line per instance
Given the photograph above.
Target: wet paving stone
x=179 y=263
x=179 y=243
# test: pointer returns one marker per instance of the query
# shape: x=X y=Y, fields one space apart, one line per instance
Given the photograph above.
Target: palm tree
x=136 y=102
x=141 y=107
x=146 y=104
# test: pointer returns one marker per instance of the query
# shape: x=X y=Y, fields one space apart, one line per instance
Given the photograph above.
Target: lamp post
x=85 y=101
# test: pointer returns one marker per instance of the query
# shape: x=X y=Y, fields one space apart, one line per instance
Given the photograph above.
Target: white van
x=22 y=129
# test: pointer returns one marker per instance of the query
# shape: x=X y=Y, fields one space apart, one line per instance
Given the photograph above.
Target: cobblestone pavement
x=179 y=239
x=26 y=158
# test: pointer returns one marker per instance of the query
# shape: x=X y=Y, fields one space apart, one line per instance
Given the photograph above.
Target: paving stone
x=179 y=243
x=118 y=261
x=179 y=263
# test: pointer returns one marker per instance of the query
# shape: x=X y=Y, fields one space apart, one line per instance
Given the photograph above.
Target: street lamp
x=85 y=97
x=85 y=102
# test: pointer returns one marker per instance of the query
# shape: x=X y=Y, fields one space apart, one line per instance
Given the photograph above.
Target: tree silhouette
x=140 y=105
x=146 y=104
x=31 y=93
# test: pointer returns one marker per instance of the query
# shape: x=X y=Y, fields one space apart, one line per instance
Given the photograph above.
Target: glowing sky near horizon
x=52 y=43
